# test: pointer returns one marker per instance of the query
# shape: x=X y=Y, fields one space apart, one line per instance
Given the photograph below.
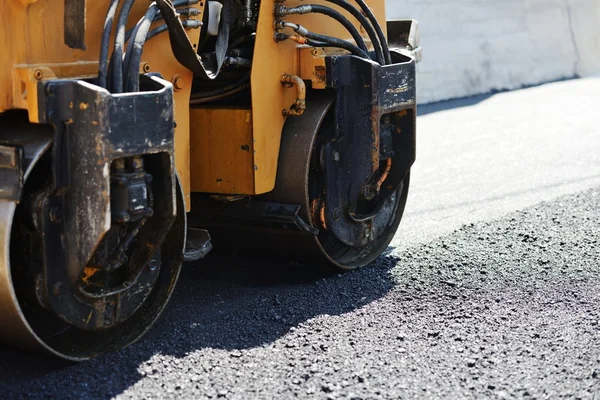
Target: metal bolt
x=146 y=67
x=38 y=74
x=152 y=265
x=336 y=156
x=178 y=82
x=336 y=213
x=55 y=214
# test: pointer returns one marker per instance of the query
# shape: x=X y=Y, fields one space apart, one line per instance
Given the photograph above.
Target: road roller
x=137 y=135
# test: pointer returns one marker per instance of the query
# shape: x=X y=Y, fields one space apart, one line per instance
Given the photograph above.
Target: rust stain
x=83 y=106
x=88 y=273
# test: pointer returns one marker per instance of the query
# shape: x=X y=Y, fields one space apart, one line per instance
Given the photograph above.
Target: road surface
x=489 y=290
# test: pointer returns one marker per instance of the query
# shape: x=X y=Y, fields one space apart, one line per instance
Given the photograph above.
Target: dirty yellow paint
x=223 y=153
x=33 y=49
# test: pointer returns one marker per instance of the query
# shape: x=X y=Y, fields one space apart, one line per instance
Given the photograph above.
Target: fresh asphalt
x=489 y=290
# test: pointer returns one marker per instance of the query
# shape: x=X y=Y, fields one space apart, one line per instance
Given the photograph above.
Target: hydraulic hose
x=188 y=12
x=219 y=91
x=323 y=38
x=330 y=12
x=365 y=23
x=137 y=45
x=187 y=23
x=103 y=60
x=117 y=56
x=203 y=100
x=157 y=31
x=382 y=39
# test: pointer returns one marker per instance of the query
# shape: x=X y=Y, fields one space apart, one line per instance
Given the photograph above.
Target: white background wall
x=474 y=46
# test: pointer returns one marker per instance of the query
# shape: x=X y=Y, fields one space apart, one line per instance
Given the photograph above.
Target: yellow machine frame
x=237 y=157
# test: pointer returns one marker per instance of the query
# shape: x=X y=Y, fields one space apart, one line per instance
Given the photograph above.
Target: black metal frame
x=375 y=114
x=92 y=128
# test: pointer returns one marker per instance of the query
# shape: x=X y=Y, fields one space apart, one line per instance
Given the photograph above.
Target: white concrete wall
x=475 y=46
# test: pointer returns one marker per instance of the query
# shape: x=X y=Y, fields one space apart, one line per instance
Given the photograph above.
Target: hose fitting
x=283 y=11
x=299 y=105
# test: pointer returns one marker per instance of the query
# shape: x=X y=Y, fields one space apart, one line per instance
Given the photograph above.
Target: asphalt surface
x=490 y=289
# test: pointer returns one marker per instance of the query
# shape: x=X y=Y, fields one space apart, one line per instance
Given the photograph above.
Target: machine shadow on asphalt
x=226 y=303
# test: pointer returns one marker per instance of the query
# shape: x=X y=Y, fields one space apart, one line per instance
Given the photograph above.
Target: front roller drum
x=92 y=218
x=25 y=324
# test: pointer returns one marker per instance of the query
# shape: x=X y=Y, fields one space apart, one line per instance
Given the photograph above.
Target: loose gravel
x=504 y=309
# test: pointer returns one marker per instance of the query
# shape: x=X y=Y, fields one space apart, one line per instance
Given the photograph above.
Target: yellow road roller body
x=137 y=135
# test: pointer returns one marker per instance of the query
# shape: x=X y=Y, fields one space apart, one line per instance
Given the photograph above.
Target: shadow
x=446 y=105
x=222 y=303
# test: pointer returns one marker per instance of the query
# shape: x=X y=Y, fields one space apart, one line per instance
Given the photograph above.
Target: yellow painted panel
x=269 y=97
x=32 y=34
x=222 y=151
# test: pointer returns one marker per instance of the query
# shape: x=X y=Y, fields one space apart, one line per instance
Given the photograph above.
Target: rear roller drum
x=296 y=222
x=348 y=237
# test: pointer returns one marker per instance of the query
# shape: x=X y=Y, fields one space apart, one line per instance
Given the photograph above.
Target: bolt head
x=337 y=213
x=55 y=214
x=178 y=82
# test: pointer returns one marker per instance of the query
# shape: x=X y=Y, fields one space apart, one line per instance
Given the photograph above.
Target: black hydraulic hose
x=377 y=45
x=382 y=38
x=117 y=56
x=157 y=31
x=103 y=60
x=188 y=12
x=187 y=23
x=330 y=12
x=221 y=96
x=338 y=43
x=133 y=76
x=323 y=38
x=219 y=91
x=129 y=50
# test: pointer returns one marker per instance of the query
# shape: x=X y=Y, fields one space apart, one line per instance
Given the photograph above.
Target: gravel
x=501 y=309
